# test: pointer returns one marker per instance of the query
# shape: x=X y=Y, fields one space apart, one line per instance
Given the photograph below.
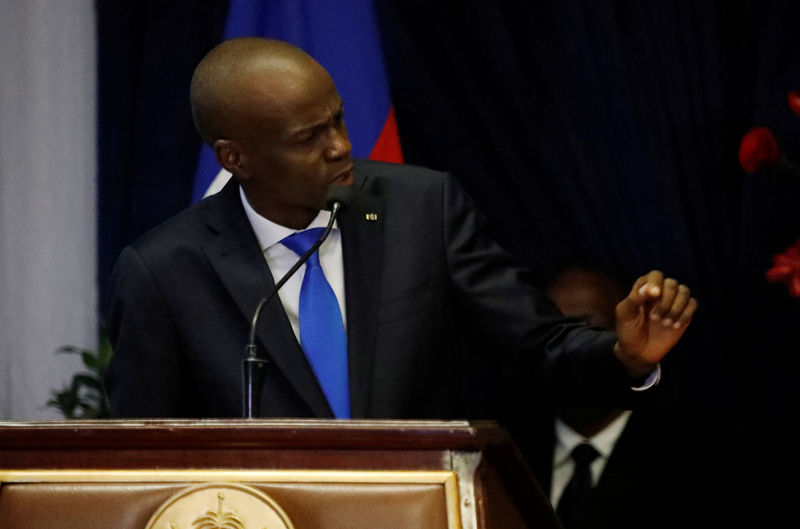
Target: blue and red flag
x=342 y=35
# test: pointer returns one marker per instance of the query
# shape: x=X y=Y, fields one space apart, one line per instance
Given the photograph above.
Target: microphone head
x=341 y=194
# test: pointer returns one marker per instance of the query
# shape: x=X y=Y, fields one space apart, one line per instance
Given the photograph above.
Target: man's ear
x=230 y=157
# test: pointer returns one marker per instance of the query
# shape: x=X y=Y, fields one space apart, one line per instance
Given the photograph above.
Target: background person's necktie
x=322 y=333
x=576 y=496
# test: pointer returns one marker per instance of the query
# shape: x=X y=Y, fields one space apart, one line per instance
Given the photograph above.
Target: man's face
x=294 y=145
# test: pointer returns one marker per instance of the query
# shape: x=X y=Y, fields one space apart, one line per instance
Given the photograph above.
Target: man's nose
x=339 y=146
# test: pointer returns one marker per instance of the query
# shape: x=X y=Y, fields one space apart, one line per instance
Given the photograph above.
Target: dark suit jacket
x=442 y=323
x=665 y=472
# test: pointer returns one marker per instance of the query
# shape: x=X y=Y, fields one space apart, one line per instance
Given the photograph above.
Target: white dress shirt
x=280 y=259
x=567 y=439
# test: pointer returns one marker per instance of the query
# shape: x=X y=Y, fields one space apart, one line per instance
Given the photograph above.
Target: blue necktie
x=322 y=333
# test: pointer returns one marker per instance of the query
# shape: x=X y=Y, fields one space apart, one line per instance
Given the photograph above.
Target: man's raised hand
x=651 y=320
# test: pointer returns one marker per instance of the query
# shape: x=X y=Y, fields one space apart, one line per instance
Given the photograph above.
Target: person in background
x=605 y=467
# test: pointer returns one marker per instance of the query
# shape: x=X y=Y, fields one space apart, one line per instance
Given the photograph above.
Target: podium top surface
x=243 y=433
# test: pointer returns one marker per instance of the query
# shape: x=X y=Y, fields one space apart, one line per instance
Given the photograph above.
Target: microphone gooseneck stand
x=254 y=367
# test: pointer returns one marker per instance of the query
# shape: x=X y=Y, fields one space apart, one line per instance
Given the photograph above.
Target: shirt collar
x=567 y=438
x=270 y=233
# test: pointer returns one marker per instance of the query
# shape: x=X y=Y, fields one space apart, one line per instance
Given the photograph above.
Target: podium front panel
x=128 y=500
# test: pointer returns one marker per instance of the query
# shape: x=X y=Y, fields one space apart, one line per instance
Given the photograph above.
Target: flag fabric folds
x=342 y=35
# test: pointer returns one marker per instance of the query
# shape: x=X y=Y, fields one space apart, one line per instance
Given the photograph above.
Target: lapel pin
x=372 y=217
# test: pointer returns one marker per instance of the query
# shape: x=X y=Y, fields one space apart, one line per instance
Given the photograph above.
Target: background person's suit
x=668 y=469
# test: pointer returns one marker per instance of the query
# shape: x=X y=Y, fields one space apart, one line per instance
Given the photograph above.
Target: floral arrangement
x=758 y=149
x=786 y=269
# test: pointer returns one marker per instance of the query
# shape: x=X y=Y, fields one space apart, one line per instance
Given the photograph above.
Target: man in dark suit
x=437 y=316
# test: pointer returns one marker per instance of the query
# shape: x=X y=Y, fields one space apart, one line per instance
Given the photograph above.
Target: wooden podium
x=257 y=474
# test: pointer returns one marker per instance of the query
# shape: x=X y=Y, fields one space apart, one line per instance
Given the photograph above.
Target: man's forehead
x=315 y=115
x=283 y=97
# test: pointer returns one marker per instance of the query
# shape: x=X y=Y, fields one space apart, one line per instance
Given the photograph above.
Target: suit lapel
x=361 y=225
x=235 y=255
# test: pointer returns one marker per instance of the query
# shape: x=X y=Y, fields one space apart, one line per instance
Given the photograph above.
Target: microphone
x=253 y=367
x=339 y=197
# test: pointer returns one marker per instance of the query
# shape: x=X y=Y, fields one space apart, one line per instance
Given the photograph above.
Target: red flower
x=794 y=101
x=758 y=148
x=786 y=269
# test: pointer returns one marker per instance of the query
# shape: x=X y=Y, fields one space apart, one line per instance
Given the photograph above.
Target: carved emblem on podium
x=220 y=506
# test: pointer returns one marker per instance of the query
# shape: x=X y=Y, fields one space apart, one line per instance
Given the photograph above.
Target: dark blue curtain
x=147 y=143
x=588 y=130
x=607 y=132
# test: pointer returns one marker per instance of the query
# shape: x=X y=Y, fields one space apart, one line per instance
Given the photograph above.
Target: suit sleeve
x=147 y=376
x=498 y=296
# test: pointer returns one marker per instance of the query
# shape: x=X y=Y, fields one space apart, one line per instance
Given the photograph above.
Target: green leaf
x=83 y=379
x=89 y=359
